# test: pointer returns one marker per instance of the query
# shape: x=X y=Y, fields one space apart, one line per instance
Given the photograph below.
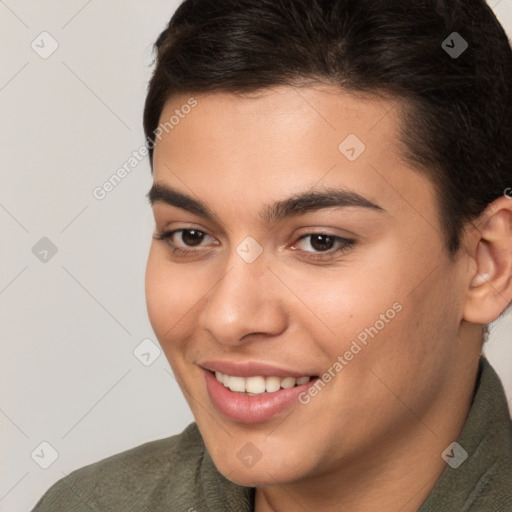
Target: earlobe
x=490 y=281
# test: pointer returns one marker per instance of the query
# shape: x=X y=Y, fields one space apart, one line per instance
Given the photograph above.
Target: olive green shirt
x=176 y=474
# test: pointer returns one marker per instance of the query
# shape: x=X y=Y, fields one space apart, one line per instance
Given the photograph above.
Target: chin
x=277 y=470
x=262 y=476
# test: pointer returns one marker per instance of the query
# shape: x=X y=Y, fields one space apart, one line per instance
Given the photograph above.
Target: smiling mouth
x=254 y=398
x=259 y=385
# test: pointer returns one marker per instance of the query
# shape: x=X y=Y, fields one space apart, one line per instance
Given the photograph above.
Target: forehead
x=255 y=147
x=284 y=123
x=291 y=109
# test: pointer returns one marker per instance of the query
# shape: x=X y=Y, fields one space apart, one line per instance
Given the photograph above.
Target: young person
x=333 y=235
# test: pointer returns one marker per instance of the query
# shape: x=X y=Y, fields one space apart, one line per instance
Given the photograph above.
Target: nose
x=244 y=304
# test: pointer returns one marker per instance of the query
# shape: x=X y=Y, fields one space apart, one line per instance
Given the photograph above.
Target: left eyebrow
x=302 y=203
x=293 y=206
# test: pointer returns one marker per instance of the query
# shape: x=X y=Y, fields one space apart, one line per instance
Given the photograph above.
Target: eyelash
x=346 y=244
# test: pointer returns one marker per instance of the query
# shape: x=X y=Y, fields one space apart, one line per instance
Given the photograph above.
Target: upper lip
x=251 y=369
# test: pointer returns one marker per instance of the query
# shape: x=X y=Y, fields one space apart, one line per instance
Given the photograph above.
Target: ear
x=489 y=288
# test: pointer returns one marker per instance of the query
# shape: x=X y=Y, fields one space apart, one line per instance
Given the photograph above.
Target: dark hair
x=456 y=120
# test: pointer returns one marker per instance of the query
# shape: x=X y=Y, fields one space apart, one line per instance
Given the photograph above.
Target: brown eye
x=321 y=242
x=181 y=239
x=322 y=245
x=192 y=237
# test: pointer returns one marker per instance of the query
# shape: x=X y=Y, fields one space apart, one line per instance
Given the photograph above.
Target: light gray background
x=70 y=324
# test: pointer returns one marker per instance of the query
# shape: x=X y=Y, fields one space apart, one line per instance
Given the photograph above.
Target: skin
x=373 y=437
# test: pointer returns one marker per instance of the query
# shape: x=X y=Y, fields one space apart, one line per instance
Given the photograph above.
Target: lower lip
x=251 y=409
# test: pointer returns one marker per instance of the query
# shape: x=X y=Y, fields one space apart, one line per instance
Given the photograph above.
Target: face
x=349 y=285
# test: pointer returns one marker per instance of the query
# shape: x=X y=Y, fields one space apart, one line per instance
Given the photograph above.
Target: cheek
x=356 y=301
x=172 y=296
x=394 y=307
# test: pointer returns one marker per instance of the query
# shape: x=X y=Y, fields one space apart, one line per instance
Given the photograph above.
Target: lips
x=239 y=391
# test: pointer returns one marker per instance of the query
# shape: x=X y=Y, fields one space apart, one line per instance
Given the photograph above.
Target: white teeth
x=272 y=384
x=237 y=384
x=288 y=382
x=257 y=385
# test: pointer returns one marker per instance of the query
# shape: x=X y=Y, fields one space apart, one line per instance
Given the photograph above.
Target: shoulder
x=492 y=489
x=130 y=480
x=481 y=482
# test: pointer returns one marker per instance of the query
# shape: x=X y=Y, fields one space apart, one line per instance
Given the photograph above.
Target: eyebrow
x=292 y=206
